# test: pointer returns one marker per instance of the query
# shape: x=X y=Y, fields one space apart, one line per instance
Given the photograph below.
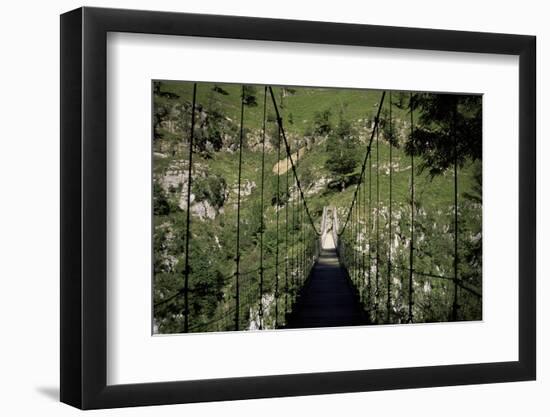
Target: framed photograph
x=256 y=208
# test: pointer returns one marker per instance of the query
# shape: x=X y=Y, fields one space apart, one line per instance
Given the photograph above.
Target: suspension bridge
x=324 y=270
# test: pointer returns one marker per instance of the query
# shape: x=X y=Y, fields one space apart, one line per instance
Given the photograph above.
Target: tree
x=321 y=122
x=471 y=218
x=341 y=149
x=249 y=96
x=219 y=90
x=445 y=121
x=342 y=159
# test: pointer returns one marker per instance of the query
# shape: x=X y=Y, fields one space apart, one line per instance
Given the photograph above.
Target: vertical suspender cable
x=188 y=220
x=364 y=163
x=298 y=224
x=260 y=307
x=304 y=224
x=353 y=240
x=305 y=259
x=390 y=218
x=357 y=240
x=364 y=245
x=292 y=242
x=297 y=235
x=411 y=246
x=300 y=250
x=297 y=231
x=286 y=235
x=277 y=229
x=297 y=241
x=299 y=206
x=303 y=251
x=357 y=237
x=369 y=282
x=377 y=219
x=238 y=249
x=455 y=263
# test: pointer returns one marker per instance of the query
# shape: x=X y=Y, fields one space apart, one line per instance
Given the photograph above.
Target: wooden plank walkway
x=328 y=298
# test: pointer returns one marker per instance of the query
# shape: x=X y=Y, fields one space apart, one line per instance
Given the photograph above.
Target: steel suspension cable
x=411 y=246
x=300 y=233
x=377 y=223
x=224 y=279
x=305 y=235
x=295 y=206
x=364 y=246
x=455 y=261
x=446 y=278
x=352 y=240
x=295 y=218
x=303 y=250
x=277 y=231
x=286 y=237
x=188 y=214
x=260 y=307
x=369 y=283
x=376 y=121
x=356 y=239
x=306 y=239
x=390 y=237
x=298 y=223
x=238 y=249
x=289 y=154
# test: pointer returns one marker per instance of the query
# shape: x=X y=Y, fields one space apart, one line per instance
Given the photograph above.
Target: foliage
x=388 y=129
x=219 y=90
x=342 y=151
x=249 y=96
x=211 y=188
x=321 y=122
x=161 y=207
x=448 y=126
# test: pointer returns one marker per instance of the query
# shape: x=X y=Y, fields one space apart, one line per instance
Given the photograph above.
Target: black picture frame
x=84 y=207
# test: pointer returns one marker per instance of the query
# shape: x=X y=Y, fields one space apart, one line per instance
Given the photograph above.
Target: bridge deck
x=328 y=299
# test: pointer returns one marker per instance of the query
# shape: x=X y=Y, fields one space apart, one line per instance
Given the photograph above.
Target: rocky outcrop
x=203 y=210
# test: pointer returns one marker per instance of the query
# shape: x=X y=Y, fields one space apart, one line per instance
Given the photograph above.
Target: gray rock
x=203 y=210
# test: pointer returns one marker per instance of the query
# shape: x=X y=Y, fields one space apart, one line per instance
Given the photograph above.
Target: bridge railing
x=385 y=254
x=264 y=296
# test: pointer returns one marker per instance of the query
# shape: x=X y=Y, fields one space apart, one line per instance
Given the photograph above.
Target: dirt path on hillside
x=284 y=164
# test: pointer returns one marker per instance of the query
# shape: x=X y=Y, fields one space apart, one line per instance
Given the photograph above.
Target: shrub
x=211 y=189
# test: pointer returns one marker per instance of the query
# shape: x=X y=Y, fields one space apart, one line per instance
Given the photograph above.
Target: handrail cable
x=280 y=122
x=376 y=121
x=223 y=279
